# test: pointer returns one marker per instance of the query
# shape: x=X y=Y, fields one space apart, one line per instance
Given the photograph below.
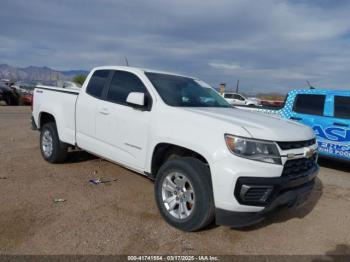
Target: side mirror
x=136 y=98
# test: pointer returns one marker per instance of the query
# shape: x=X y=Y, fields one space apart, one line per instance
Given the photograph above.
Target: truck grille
x=296 y=145
x=297 y=167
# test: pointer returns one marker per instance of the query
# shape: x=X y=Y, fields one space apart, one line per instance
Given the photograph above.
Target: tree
x=79 y=79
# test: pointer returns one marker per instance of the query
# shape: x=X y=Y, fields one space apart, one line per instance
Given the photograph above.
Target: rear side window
x=122 y=84
x=97 y=83
x=228 y=95
x=309 y=104
x=342 y=107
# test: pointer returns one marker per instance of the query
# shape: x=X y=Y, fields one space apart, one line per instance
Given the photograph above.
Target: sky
x=269 y=45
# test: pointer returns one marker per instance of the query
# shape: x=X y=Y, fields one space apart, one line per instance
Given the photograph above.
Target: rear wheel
x=52 y=149
x=183 y=193
x=7 y=100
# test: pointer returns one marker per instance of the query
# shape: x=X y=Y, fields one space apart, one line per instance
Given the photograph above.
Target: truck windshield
x=185 y=92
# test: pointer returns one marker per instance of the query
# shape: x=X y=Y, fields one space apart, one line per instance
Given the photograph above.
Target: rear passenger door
x=86 y=109
x=309 y=109
x=229 y=98
x=122 y=130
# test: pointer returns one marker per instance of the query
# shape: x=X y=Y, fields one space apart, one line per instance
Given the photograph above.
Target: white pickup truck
x=240 y=100
x=210 y=161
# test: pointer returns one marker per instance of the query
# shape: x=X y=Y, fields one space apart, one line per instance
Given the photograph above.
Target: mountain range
x=37 y=74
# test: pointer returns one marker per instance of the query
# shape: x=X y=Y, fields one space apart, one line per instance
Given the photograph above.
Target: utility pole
x=126 y=61
x=237 y=87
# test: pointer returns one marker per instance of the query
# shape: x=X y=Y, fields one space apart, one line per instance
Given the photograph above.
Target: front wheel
x=184 y=195
x=52 y=149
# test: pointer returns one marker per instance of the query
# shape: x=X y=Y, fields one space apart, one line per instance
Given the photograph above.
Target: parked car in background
x=327 y=112
x=10 y=96
x=238 y=99
x=210 y=161
x=23 y=89
x=67 y=84
x=27 y=99
x=272 y=103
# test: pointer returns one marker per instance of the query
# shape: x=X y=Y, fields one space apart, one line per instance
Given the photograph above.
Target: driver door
x=122 y=130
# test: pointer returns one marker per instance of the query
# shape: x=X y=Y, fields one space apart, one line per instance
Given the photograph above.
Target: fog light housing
x=251 y=194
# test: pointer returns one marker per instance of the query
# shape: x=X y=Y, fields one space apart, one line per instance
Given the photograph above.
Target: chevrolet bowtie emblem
x=290 y=156
x=309 y=153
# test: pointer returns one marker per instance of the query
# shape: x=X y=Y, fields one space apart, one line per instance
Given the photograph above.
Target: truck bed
x=59 y=102
x=59 y=89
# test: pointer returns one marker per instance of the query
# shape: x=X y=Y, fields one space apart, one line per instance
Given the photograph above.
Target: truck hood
x=258 y=125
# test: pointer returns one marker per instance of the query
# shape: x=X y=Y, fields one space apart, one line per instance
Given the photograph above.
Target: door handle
x=104 y=111
x=296 y=118
x=340 y=124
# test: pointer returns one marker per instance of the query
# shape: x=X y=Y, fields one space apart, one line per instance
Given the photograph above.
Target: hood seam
x=248 y=131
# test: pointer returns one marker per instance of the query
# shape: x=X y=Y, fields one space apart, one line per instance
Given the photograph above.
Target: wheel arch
x=45 y=117
x=164 y=151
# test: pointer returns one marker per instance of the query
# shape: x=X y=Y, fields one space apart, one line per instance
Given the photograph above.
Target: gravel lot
x=121 y=217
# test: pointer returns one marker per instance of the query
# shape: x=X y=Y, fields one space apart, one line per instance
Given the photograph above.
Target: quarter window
x=342 y=107
x=97 y=83
x=309 y=104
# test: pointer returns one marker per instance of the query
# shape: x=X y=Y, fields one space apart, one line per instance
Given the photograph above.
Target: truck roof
x=320 y=92
x=137 y=70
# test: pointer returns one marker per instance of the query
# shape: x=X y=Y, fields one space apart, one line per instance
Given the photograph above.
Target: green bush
x=79 y=79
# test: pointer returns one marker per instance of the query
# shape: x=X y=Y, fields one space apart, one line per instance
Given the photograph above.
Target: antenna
x=126 y=61
x=310 y=86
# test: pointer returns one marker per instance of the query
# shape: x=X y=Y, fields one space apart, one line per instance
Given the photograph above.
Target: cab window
x=309 y=104
x=342 y=107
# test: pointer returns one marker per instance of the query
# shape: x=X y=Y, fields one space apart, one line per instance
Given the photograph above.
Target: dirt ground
x=121 y=217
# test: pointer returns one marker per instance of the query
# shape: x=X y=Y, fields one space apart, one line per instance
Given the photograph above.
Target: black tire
x=59 y=149
x=199 y=175
x=7 y=101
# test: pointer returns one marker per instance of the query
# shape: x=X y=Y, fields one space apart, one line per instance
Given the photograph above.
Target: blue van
x=327 y=112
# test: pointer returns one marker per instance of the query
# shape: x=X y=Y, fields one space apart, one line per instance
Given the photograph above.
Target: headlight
x=253 y=149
